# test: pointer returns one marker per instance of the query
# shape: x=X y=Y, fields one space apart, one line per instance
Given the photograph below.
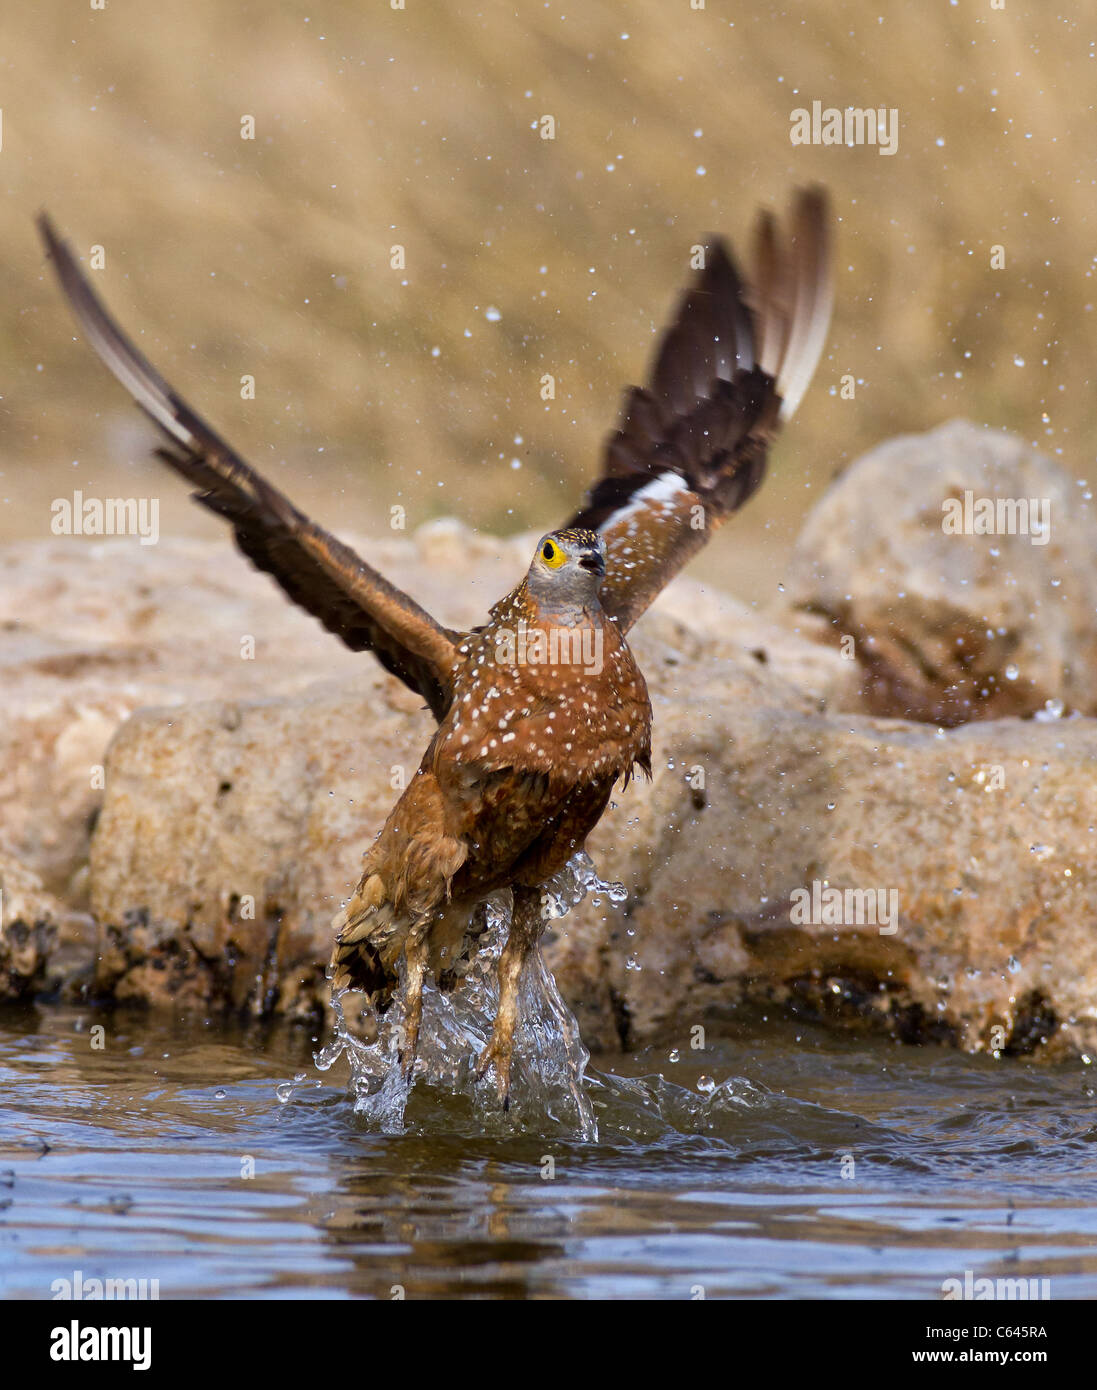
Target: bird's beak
x=594 y=562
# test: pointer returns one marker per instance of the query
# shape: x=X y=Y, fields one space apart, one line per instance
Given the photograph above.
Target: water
x=129 y=1161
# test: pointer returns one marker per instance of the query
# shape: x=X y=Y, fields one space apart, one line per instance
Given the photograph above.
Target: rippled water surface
x=130 y=1161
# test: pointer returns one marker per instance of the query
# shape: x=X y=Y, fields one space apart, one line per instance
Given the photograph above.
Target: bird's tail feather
x=368 y=940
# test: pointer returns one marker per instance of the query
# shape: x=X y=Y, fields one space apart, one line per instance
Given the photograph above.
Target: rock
x=231 y=829
x=93 y=631
x=953 y=627
x=31 y=924
x=231 y=832
x=96 y=631
x=229 y=835
x=983 y=833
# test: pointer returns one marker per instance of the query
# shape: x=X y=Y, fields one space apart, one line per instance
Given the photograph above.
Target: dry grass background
x=376 y=126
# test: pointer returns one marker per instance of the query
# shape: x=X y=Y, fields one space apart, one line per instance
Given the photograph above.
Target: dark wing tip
x=710 y=336
x=720 y=267
x=114 y=348
x=719 y=260
x=46 y=229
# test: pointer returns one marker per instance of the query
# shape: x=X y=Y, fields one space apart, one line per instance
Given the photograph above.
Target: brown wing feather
x=317 y=571
x=731 y=367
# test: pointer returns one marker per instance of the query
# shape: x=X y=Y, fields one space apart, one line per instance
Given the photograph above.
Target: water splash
x=572 y=884
x=650 y=1108
x=549 y=1066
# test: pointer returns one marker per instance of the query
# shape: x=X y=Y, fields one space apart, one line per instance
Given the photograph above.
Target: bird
x=542 y=710
x=548 y=711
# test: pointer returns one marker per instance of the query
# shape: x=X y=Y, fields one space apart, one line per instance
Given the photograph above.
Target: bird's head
x=568 y=567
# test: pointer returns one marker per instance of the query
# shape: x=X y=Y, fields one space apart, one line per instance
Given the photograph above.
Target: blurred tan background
x=375 y=126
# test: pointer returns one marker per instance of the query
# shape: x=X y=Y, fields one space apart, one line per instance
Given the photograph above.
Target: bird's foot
x=498 y=1053
x=407 y=1047
x=416 y=955
x=525 y=926
x=408 y=1051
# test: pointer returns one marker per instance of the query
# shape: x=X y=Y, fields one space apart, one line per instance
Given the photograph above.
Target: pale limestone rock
x=38 y=935
x=231 y=832
x=950 y=628
x=236 y=812
x=984 y=833
x=91 y=631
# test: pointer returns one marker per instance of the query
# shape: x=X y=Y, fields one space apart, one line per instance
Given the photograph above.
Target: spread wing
x=316 y=570
x=729 y=370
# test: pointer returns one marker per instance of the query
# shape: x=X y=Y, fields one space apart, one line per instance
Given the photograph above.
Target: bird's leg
x=415 y=954
x=525 y=928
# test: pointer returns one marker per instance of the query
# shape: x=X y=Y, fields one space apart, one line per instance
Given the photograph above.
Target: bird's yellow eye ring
x=552 y=555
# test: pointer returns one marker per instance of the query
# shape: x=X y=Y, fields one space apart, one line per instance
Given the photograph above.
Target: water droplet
x=706 y=1085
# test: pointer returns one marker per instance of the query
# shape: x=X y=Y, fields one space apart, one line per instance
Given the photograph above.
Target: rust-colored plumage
x=542 y=710
x=548 y=711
